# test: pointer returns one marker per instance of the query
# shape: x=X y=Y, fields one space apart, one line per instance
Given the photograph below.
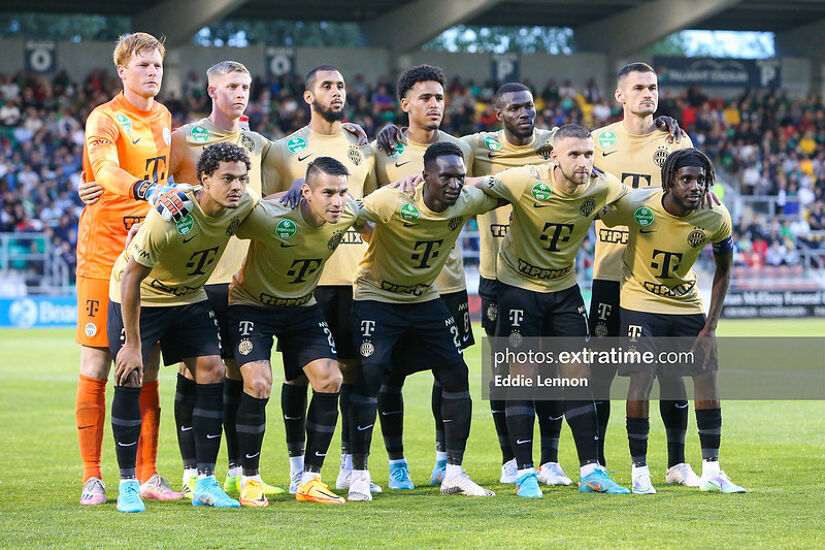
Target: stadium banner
x=505 y=67
x=709 y=71
x=40 y=56
x=38 y=312
x=280 y=61
x=753 y=304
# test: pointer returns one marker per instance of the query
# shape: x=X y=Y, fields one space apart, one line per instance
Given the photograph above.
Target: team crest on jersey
x=296 y=145
x=247 y=142
x=335 y=240
x=199 y=134
x=492 y=143
x=185 y=225
x=660 y=155
x=545 y=150
x=233 y=226
x=607 y=139
x=455 y=223
x=409 y=212
x=124 y=121
x=601 y=330
x=397 y=151
x=492 y=312
x=643 y=216
x=515 y=339
x=541 y=191
x=587 y=207
x=367 y=349
x=286 y=229
x=90 y=329
x=245 y=346
x=355 y=156
x=697 y=238
x=167 y=136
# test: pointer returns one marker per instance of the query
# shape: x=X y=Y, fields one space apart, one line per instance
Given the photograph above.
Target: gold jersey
x=289 y=162
x=637 y=161
x=408 y=160
x=492 y=153
x=188 y=142
x=538 y=253
x=286 y=256
x=182 y=255
x=410 y=243
x=661 y=250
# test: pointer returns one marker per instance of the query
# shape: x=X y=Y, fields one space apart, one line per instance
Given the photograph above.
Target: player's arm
x=129 y=360
x=272 y=163
x=389 y=136
x=365 y=230
x=706 y=339
x=356 y=131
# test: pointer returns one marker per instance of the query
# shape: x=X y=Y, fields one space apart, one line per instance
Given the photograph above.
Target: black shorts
x=604 y=309
x=336 y=303
x=458 y=305
x=644 y=329
x=488 y=290
x=302 y=332
x=535 y=314
x=218 y=296
x=184 y=331
x=379 y=326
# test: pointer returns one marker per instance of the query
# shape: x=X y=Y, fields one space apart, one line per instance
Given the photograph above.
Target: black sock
x=126 y=428
x=709 y=422
x=551 y=416
x=232 y=390
x=362 y=420
x=184 y=403
x=251 y=425
x=343 y=404
x=456 y=410
x=520 y=427
x=602 y=419
x=581 y=417
x=637 y=432
x=206 y=423
x=500 y=423
x=435 y=403
x=294 y=407
x=675 y=418
x=391 y=408
x=321 y=419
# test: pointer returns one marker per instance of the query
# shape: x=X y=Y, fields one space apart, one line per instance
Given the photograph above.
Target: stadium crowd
x=763 y=143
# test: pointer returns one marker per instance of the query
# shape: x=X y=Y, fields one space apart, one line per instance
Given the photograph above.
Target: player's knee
x=330 y=381
x=95 y=362
x=640 y=386
x=258 y=384
x=209 y=370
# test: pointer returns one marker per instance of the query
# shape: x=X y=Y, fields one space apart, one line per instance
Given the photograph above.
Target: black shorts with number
x=185 y=331
x=604 y=318
x=488 y=290
x=336 y=303
x=218 y=296
x=459 y=306
x=646 y=327
x=379 y=326
x=534 y=314
x=302 y=332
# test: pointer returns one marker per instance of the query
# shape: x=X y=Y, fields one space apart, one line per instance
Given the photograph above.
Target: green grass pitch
x=774 y=449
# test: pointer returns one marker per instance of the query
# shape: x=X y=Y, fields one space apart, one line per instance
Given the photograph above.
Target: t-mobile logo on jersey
x=246 y=327
x=367 y=328
x=634 y=331
x=604 y=311
x=516 y=316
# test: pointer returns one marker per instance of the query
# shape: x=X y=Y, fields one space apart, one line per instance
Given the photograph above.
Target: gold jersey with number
x=538 y=253
x=408 y=160
x=661 y=250
x=288 y=162
x=182 y=255
x=637 y=161
x=188 y=142
x=492 y=153
x=410 y=243
x=286 y=256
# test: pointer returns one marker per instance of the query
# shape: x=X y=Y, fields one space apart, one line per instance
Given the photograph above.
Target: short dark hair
x=686 y=157
x=511 y=87
x=636 y=67
x=326 y=165
x=441 y=149
x=309 y=81
x=419 y=73
x=573 y=131
x=213 y=155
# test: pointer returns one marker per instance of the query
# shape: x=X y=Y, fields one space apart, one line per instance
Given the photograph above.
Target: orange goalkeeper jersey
x=123 y=145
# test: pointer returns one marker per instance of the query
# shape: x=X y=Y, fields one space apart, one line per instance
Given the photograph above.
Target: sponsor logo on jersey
x=587 y=207
x=409 y=212
x=245 y=346
x=199 y=134
x=296 y=145
x=660 y=155
x=492 y=143
x=643 y=216
x=697 y=238
x=355 y=156
x=541 y=191
x=397 y=151
x=124 y=122
x=185 y=225
x=286 y=229
x=607 y=139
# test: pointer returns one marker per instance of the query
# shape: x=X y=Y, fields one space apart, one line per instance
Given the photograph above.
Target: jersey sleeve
x=722 y=239
x=479 y=202
x=101 y=138
x=509 y=184
x=256 y=223
x=615 y=190
x=371 y=181
x=617 y=212
x=378 y=206
x=468 y=155
x=151 y=239
x=271 y=166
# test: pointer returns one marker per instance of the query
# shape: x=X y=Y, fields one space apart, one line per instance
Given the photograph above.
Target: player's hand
x=671 y=126
x=596 y=172
x=88 y=191
x=389 y=136
x=357 y=131
x=408 y=184
x=293 y=195
x=129 y=364
x=171 y=201
x=132 y=232
x=711 y=200
x=706 y=344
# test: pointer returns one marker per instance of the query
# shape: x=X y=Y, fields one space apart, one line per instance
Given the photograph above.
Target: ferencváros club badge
x=367 y=349
x=245 y=346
